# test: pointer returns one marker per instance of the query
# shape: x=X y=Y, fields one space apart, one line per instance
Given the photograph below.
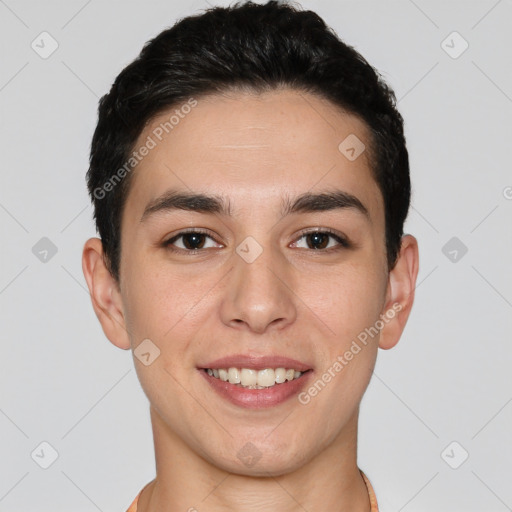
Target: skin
x=292 y=300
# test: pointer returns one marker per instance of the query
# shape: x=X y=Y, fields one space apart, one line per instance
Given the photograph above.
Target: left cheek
x=353 y=302
x=351 y=347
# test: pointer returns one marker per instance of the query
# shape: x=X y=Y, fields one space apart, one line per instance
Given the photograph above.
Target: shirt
x=371 y=495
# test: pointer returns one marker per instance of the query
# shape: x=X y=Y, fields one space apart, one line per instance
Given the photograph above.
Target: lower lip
x=257 y=398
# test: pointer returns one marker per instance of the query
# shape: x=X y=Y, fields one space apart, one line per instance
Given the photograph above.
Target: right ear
x=105 y=294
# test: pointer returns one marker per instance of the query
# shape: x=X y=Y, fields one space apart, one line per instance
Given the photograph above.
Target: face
x=258 y=277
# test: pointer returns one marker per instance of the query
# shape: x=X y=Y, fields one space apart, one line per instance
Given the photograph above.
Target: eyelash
x=343 y=242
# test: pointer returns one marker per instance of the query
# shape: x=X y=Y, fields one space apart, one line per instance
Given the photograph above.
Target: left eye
x=316 y=240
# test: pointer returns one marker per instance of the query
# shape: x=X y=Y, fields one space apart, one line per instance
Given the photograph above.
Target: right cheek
x=142 y=310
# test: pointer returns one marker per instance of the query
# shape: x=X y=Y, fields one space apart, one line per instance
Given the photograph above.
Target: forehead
x=253 y=147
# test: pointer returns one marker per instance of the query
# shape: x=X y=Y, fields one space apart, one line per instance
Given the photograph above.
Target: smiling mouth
x=255 y=379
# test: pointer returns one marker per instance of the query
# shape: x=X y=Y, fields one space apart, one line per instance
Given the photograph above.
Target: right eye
x=192 y=241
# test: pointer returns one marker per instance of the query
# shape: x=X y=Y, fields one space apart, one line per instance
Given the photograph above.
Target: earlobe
x=400 y=292
x=105 y=294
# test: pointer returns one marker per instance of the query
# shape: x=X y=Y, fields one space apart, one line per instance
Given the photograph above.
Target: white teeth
x=254 y=379
x=280 y=375
x=266 y=377
x=234 y=376
x=248 y=377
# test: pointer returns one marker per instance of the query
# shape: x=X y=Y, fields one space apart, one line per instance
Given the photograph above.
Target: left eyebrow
x=212 y=204
x=324 y=201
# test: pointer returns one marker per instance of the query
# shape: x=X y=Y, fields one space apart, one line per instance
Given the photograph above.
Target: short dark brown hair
x=254 y=47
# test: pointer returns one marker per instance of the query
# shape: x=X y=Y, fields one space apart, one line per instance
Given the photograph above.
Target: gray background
x=448 y=379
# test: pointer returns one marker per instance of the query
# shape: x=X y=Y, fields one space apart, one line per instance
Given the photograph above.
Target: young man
x=250 y=181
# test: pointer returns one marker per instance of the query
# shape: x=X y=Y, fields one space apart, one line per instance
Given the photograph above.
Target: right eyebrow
x=175 y=200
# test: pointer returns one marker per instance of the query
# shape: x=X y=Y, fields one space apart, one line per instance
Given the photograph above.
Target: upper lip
x=256 y=362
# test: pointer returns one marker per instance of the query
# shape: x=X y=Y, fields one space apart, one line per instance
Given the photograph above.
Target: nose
x=259 y=294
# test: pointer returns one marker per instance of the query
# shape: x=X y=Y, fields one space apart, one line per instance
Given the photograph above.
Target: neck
x=186 y=481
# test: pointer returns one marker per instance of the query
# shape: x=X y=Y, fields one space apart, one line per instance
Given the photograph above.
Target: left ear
x=400 y=293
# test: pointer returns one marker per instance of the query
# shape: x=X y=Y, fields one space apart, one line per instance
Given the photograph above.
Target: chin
x=259 y=460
